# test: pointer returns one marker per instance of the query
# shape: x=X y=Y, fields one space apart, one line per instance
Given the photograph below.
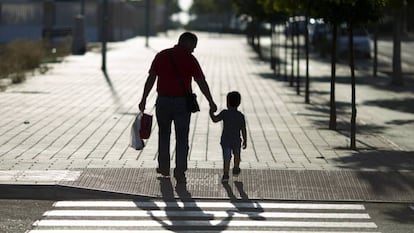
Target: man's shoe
x=164 y=173
x=236 y=171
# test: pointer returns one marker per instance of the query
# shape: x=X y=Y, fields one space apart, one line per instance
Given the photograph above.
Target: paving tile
x=71 y=118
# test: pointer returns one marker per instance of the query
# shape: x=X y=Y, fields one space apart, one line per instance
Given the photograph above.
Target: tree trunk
x=298 y=59
x=286 y=57
x=259 y=46
x=404 y=17
x=332 y=115
x=375 y=60
x=353 y=82
x=277 y=52
x=272 y=57
x=397 y=78
x=292 y=58
x=104 y=33
x=257 y=34
x=307 y=60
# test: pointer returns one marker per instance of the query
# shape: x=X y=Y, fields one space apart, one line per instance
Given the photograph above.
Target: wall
x=24 y=19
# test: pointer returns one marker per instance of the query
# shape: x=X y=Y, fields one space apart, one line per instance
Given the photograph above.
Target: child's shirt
x=233 y=122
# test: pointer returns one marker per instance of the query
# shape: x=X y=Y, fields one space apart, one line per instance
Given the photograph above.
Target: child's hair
x=233 y=99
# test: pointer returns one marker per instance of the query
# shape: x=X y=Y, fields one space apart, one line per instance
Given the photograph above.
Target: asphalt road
x=392 y=218
x=18 y=215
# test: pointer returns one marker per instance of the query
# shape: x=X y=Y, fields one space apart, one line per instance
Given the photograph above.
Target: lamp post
x=83 y=7
x=147 y=23
x=104 y=33
x=78 y=32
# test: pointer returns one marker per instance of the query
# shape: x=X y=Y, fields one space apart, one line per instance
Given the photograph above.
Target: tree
x=358 y=12
x=257 y=14
x=171 y=7
x=397 y=12
x=200 y=7
x=211 y=14
x=293 y=8
x=331 y=11
x=274 y=17
x=352 y=12
x=307 y=14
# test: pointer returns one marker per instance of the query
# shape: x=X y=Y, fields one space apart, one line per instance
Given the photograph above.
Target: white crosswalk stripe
x=221 y=214
x=203 y=216
x=200 y=204
x=184 y=231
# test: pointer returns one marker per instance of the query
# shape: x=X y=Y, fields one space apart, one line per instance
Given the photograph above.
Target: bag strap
x=177 y=72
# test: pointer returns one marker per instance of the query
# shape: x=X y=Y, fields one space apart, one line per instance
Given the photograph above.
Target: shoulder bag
x=191 y=98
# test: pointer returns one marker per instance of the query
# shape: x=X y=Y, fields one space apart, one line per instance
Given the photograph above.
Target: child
x=233 y=124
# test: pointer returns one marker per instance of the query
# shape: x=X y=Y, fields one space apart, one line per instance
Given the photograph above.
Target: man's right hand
x=147 y=88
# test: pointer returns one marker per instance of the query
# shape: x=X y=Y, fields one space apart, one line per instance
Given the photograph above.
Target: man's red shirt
x=168 y=84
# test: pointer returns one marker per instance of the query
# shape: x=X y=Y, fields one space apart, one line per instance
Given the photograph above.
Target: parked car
x=317 y=33
x=296 y=26
x=361 y=42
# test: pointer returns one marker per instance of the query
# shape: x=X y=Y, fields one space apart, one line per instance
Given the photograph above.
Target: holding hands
x=213 y=107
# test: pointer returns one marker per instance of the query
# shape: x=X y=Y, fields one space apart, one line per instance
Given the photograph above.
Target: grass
x=21 y=56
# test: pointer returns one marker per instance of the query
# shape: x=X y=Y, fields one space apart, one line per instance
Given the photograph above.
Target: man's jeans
x=168 y=110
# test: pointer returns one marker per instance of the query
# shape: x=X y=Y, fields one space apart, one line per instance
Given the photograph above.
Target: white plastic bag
x=136 y=142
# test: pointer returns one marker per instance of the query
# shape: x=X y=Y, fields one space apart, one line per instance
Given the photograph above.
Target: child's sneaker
x=236 y=171
x=225 y=179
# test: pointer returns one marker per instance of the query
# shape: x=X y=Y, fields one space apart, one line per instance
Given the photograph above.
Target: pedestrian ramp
x=233 y=216
x=304 y=185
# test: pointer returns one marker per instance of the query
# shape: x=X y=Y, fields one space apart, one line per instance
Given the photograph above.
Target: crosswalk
x=110 y=216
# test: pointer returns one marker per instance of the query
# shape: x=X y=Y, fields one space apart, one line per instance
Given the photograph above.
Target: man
x=171 y=102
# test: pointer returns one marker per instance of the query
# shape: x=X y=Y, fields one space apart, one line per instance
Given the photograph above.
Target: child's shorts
x=229 y=151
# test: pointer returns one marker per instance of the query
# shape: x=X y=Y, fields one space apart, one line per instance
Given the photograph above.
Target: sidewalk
x=71 y=127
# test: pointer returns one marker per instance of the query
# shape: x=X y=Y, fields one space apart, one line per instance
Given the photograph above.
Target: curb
x=58 y=192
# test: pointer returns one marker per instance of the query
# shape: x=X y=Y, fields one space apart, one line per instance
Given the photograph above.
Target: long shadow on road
x=114 y=93
x=178 y=213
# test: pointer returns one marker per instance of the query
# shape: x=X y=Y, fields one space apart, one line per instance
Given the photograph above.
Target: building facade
x=29 y=19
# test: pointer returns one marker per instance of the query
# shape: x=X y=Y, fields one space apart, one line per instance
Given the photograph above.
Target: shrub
x=21 y=56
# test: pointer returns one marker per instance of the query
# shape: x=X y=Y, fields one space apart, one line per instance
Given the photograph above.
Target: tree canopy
x=201 y=7
x=334 y=11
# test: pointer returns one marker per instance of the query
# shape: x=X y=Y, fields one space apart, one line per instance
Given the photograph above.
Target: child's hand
x=215 y=118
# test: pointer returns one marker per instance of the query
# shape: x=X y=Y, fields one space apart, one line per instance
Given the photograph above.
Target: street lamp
x=147 y=18
x=83 y=7
x=104 y=33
